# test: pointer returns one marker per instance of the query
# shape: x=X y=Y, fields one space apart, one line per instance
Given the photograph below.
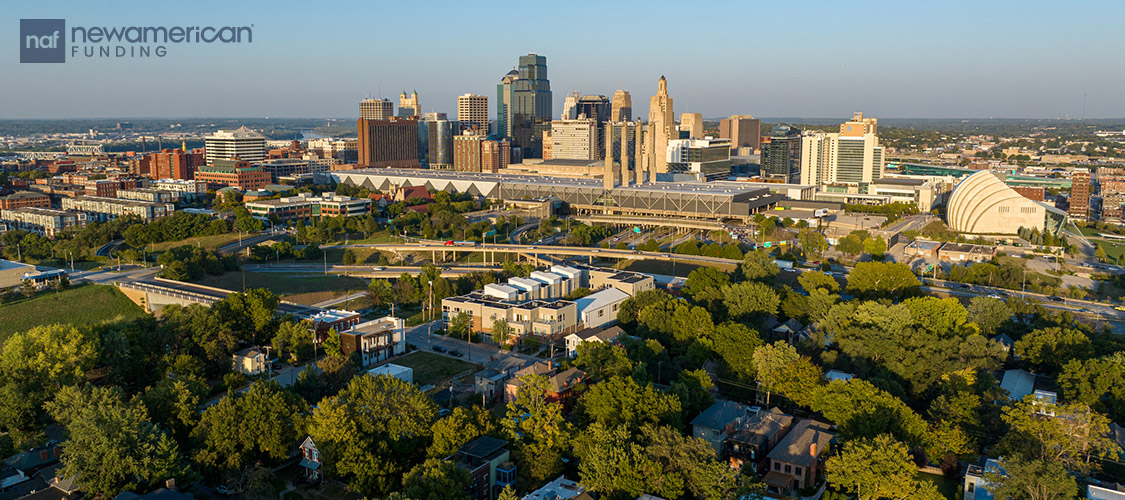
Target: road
x=481 y=353
x=106 y=276
x=249 y=241
x=546 y=249
x=362 y=271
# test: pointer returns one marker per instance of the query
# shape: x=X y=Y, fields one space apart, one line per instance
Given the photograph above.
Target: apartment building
x=306 y=205
x=239 y=174
x=147 y=194
x=101 y=209
x=44 y=221
x=181 y=189
x=21 y=199
x=376 y=340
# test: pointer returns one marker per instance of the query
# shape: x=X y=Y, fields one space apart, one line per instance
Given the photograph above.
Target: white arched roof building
x=982 y=204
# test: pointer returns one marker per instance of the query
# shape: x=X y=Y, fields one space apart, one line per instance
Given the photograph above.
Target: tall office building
x=744 y=131
x=851 y=158
x=408 y=106
x=661 y=123
x=704 y=159
x=1079 y=193
x=781 y=157
x=575 y=140
x=472 y=109
x=621 y=153
x=594 y=107
x=376 y=109
x=388 y=143
x=439 y=133
x=241 y=142
x=692 y=123
x=523 y=106
x=570 y=106
x=622 y=107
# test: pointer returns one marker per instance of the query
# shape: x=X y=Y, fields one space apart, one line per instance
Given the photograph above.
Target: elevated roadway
x=536 y=250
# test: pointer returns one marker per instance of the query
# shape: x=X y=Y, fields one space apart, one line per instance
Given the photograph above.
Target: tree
x=1030 y=480
x=694 y=388
x=621 y=401
x=988 y=313
x=750 y=298
x=538 y=431
x=348 y=258
x=1096 y=382
x=891 y=280
x=460 y=324
x=878 y=468
x=294 y=340
x=332 y=344
x=633 y=306
x=1052 y=347
x=460 y=426
x=1077 y=438
x=111 y=445
x=507 y=493
x=436 y=479
x=850 y=244
x=238 y=430
x=735 y=344
x=248 y=314
x=816 y=280
x=602 y=361
x=380 y=292
x=759 y=265
x=772 y=362
x=704 y=284
x=812 y=243
x=875 y=246
x=501 y=331
x=1099 y=253
x=862 y=410
x=372 y=432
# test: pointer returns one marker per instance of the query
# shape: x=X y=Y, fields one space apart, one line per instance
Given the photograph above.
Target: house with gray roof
x=717 y=422
x=798 y=459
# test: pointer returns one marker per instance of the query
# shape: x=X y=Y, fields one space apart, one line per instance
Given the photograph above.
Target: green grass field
x=282 y=284
x=80 y=306
x=211 y=242
x=430 y=368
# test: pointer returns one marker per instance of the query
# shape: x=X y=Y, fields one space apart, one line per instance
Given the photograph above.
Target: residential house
x=1117 y=434
x=717 y=422
x=375 y=341
x=756 y=436
x=404 y=373
x=310 y=459
x=250 y=361
x=560 y=488
x=489 y=464
x=787 y=330
x=797 y=460
x=591 y=334
x=407 y=193
x=1018 y=383
x=491 y=380
x=563 y=387
x=600 y=308
x=974 y=486
x=159 y=494
x=922 y=248
x=1105 y=492
x=961 y=252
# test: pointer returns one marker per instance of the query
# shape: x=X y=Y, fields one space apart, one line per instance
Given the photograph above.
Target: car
x=223 y=490
x=1054 y=298
x=1084 y=310
x=1120 y=308
x=438 y=348
x=378 y=268
x=455 y=353
x=962 y=285
x=596 y=250
x=994 y=296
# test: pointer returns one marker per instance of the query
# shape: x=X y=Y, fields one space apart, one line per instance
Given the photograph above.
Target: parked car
x=1054 y=298
x=455 y=353
x=438 y=348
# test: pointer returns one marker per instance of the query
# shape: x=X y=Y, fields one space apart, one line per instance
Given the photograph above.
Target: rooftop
x=1018 y=383
x=482 y=447
x=804 y=443
x=719 y=415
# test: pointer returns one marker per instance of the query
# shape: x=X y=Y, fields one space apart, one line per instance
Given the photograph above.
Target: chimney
x=812 y=449
x=170 y=483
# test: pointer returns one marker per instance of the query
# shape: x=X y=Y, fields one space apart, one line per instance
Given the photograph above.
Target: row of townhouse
x=536 y=305
x=47 y=222
x=101 y=209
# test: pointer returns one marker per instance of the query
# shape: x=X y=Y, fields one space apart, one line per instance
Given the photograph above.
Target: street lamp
x=430 y=323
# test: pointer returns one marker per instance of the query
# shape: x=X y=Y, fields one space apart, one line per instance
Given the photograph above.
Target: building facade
x=175 y=164
x=705 y=159
x=692 y=125
x=241 y=143
x=621 y=109
x=376 y=109
x=101 y=209
x=47 y=222
x=781 y=157
x=439 y=133
x=408 y=106
x=388 y=143
x=523 y=105
x=744 y=131
x=1079 y=194
x=982 y=204
x=575 y=140
x=852 y=157
x=21 y=199
x=466 y=152
x=239 y=174
x=472 y=109
x=661 y=124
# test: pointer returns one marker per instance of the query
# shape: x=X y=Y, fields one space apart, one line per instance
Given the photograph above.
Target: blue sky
x=893 y=59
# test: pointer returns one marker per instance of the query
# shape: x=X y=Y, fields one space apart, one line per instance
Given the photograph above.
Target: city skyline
x=956 y=60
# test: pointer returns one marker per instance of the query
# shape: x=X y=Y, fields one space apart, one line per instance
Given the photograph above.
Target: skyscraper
x=408 y=106
x=570 y=106
x=523 y=105
x=852 y=157
x=376 y=109
x=744 y=131
x=781 y=157
x=575 y=140
x=472 y=109
x=594 y=107
x=661 y=121
x=692 y=123
x=622 y=109
x=466 y=152
x=388 y=143
x=1079 y=193
x=241 y=142
x=439 y=133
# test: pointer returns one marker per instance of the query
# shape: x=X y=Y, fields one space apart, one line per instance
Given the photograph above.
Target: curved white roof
x=982 y=204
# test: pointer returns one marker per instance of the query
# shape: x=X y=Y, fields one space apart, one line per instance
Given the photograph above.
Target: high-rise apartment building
x=408 y=106
x=494 y=155
x=781 y=157
x=466 y=152
x=175 y=164
x=570 y=106
x=622 y=108
x=851 y=158
x=388 y=143
x=575 y=140
x=242 y=143
x=376 y=109
x=661 y=124
x=1079 y=193
x=438 y=147
x=692 y=123
x=744 y=131
x=472 y=109
x=523 y=107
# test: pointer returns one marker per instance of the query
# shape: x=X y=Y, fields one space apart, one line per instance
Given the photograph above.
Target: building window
x=777 y=466
x=788 y=468
x=797 y=471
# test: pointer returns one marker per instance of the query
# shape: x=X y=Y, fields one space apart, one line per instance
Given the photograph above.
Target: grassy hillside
x=82 y=305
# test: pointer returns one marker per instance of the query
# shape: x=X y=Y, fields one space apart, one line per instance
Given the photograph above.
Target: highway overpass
x=450 y=252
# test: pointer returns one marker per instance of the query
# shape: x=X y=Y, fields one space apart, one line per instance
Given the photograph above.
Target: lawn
x=210 y=242
x=1112 y=250
x=430 y=368
x=282 y=284
x=947 y=486
x=80 y=306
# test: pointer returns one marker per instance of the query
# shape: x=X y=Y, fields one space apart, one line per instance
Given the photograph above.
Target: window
x=797 y=471
x=788 y=468
x=777 y=466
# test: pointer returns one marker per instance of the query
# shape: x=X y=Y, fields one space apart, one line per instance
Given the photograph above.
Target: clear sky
x=890 y=59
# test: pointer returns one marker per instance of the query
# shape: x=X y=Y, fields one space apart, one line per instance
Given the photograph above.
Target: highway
x=545 y=249
x=365 y=271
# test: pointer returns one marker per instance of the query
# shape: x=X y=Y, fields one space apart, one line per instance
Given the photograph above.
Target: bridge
x=156 y=293
x=536 y=251
x=676 y=222
x=39 y=155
